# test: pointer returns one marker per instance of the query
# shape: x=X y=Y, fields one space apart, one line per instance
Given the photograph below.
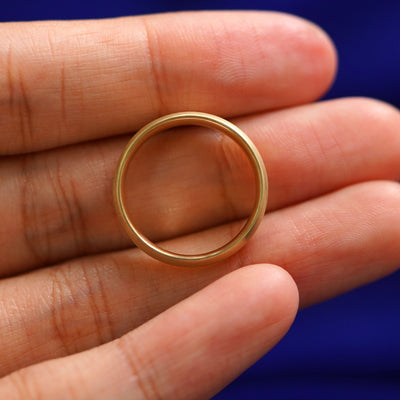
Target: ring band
x=208 y=121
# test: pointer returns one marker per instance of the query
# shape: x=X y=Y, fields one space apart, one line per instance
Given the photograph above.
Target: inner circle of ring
x=208 y=121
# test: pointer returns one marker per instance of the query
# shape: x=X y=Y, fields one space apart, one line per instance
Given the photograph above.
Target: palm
x=71 y=279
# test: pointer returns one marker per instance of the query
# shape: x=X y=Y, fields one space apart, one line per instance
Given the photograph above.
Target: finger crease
x=25 y=115
x=105 y=329
x=63 y=94
x=147 y=387
x=24 y=389
x=58 y=293
x=29 y=216
x=10 y=79
x=155 y=69
x=95 y=311
x=73 y=212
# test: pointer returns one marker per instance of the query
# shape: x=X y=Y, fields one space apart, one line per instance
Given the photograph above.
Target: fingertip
x=316 y=52
x=275 y=290
x=258 y=59
x=326 y=58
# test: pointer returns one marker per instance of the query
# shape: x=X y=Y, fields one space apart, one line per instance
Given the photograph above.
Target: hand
x=71 y=279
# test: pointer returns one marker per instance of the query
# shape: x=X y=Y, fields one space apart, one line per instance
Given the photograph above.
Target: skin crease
x=115 y=324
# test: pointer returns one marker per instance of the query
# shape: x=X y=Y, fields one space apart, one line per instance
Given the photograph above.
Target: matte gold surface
x=209 y=121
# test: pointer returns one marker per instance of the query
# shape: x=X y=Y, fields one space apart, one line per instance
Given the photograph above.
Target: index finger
x=67 y=82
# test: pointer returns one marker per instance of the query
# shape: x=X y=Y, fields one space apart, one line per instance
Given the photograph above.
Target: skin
x=84 y=314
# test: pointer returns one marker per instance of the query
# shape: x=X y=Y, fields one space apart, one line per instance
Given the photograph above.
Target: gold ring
x=208 y=121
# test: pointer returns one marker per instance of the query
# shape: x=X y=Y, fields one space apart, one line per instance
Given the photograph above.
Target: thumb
x=190 y=351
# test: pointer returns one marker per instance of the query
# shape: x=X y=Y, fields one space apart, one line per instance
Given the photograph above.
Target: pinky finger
x=190 y=351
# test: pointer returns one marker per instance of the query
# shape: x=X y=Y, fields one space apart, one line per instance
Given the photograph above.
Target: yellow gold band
x=208 y=121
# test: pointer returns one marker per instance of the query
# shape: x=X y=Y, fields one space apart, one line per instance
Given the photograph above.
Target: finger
x=205 y=342
x=59 y=204
x=67 y=82
x=329 y=245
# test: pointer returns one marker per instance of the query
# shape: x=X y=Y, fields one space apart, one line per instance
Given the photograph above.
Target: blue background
x=348 y=347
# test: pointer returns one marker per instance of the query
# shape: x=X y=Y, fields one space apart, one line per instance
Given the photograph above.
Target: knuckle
x=78 y=305
x=156 y=69
x=52 y=217
x=18 y=99
x=32 y=212
x=27 y=384
x=139 y=370
x=22 y=387
x=63 y=302
x=27 y=71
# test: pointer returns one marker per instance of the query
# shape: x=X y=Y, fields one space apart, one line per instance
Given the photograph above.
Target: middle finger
x=58 y=205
